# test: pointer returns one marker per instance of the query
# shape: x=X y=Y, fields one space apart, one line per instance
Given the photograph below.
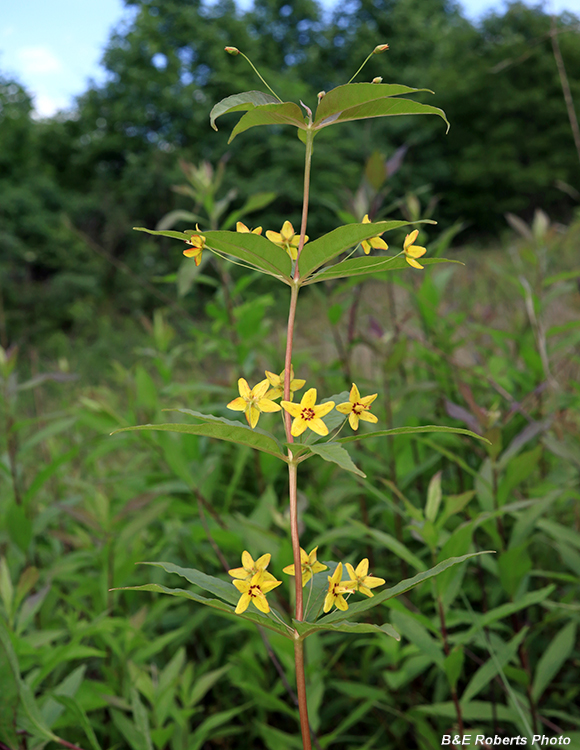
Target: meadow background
x=102 y=327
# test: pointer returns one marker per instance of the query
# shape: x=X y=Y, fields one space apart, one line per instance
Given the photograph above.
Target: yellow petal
x=287 y=231
x=238 y=573
x=273 y=379
x=242 y=586
x=362 y=568
x=263 y=562
x=353 y=420
x=414 y=263
x=365 y=590
x=298 y=427
x=410 y=238
x=264 y=404
x=309 y=399
x=317 y=426
x=351 y=573
x=366 y=416
x=366 y=219
x=242 y=228
x=366 y=401
x=416 y=251
x=253 y=415
x=341 y=603
x=245 y=599
x=247 y=560
x=289 y=570
x=244 y=388
x=295 y=410
x=328 y=602
x=366 y=247
x=259 y=390
x=373 y=581
x=354 y=395
x=238 y=404
x=268 y=585
x=274 y=237
x=345 y=408
x=261 y=602
x=323 y=409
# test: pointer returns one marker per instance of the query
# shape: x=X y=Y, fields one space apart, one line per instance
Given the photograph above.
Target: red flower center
x=308 y=414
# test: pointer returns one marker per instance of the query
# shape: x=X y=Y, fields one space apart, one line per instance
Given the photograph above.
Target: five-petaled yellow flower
x=277 y=383
x=255 y=590
x=287 y=239
x=336 y=589
x=413 y=251
x=198 y=244
x=250 y=568
x=375 y=242
x=360 y=580
x=306 y=414
x=309 y=565
x=243 y=229
x=357 y=408
x=253 y=402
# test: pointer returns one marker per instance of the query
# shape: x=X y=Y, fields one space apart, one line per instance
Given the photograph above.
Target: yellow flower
x=306 y=414
x=244 y=229
x=360 y=580
x=255 y=590
x=252 y=402
x=376 y=242
x=335 y=597
x=413 y=251
x=308 y=564
x=198 y=242
x=250 y=568
x=287 y=239
x=277 y=383
x=357 y=408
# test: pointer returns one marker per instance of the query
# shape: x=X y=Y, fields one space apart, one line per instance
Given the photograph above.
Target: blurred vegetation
x=112 y=326
x=72 y=187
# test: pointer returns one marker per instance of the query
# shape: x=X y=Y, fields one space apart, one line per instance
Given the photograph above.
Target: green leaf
x=8 y=690
x=369 y=264
x=336 y=454
x=410 y=431
x=553 y=658
x=400 y=588
x=453 y=665
x=286 y=113
x=254 y=249
x=254 y=203
x=513 y=565
x=354 y=94
x=242 y=102
x=384 y=108
x=81 y=718
x=488 y=671
x=184 y=236
x=330 y=245
x=418 y=634
x=504 y=610
x=305 y=628
x=219 y=428
x=433 y=497
x=393 y=545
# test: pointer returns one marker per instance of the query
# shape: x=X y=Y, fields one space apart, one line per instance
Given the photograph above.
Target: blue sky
x=53 y=47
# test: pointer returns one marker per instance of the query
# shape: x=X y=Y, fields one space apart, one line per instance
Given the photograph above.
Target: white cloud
x=47 y=106
x=38 y=59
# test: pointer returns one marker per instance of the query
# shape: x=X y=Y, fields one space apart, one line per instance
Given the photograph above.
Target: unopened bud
x=380 y=48
x=232 y=50
x=321 y=95
x=378 y=79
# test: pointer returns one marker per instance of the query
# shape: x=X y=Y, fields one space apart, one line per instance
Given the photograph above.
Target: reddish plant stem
x=292 y=467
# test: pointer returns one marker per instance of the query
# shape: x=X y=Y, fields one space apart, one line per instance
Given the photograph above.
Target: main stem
x=292 y=467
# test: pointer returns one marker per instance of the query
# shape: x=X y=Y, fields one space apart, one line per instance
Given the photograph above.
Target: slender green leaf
x=553 y=658
x=9 y=690
x=491 y=668
x=393 y=545
x=453 y=665
x=369 y=264
x=504 y=610
x=400 y=588
x=330 y=245
x=384 y=108
x=336 y=454
x=242 y=102
x=217 y=604
x=305 y=628
x=286 y=113
x=474 y=711
x=417 y=634
x=353 y=94
x=218 y=428
x=254 y=249
x=211 y=726
x=434 y=496
x=184 y=236
x=410 y=431
x=80 y=716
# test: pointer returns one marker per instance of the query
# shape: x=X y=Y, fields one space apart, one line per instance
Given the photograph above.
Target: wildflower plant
x=310 y=428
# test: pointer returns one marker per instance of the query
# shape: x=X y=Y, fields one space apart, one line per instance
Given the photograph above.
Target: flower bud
x=232 y=50
x=378 y=79
x=380 y=48
x=321 y=95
